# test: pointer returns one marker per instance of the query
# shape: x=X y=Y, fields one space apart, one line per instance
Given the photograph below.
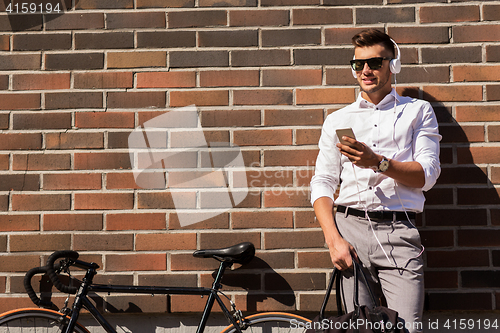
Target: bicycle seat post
x=211 y=298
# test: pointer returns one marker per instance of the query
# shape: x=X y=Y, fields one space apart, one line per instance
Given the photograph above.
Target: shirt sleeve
x=426 y=146
x=327 y=169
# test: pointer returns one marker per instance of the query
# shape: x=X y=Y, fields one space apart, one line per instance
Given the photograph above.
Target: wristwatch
x=383 y=165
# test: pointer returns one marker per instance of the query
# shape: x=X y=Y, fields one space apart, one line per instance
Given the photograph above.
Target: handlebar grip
x=27 y=283
x=52 y=274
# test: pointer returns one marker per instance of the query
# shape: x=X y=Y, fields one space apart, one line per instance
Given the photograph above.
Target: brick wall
x=263 y=74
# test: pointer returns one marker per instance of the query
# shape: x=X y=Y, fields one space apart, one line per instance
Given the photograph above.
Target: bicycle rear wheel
x=35 y=321
x=272 y=322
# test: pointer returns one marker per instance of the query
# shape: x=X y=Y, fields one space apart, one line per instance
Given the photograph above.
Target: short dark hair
x=372 y=37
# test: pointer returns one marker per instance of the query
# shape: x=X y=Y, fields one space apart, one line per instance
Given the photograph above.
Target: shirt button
x=375 y=125
x=370 y=188
x=374 y=145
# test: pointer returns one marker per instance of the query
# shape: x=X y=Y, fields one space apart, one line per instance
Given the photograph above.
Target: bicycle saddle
x=240 y=253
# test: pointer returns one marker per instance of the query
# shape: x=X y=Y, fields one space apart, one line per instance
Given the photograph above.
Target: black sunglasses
x=373 y=63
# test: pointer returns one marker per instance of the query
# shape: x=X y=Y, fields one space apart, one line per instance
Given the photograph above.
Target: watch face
x=384 y=165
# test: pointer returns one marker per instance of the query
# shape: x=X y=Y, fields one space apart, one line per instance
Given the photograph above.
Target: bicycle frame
x=81 y=299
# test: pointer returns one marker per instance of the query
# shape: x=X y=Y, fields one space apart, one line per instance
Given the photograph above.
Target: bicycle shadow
x=463 y=197
x=30 y=17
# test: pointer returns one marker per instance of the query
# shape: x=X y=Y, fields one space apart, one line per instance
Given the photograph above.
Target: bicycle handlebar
x=29 y=289
x=52 y=274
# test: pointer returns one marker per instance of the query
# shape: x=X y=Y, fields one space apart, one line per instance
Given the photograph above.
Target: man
x=382 y=175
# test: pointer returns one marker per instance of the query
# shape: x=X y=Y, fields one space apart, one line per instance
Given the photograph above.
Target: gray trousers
x=401 y=281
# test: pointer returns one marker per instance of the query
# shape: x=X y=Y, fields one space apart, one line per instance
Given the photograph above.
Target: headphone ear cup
x=395 y=66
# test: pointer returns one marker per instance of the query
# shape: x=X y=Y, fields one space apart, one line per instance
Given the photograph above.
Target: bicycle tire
x=272 y=322
x=35 y=321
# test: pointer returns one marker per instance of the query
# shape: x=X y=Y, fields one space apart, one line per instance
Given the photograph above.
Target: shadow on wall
x=456 y=219
x=31 y=15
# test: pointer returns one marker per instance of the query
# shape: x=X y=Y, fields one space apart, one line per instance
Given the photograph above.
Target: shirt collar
x=387 y=100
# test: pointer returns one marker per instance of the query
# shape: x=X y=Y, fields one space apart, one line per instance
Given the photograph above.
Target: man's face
x=374 y=80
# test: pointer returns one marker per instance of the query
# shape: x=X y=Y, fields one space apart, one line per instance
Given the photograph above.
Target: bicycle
x=65 y=320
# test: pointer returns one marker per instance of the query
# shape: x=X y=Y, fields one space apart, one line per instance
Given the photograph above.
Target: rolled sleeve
x=426 y=146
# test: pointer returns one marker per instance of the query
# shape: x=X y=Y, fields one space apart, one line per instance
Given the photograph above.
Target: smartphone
x=345 y=132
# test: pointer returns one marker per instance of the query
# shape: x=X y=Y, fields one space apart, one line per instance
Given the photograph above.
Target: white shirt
x=407 y=133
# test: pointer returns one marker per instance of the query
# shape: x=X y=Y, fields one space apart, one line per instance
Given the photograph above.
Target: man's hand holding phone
x=357 y=152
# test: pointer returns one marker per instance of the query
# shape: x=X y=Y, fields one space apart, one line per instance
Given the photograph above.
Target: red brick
x=4 y=161
x=186 y=262
x=32 y=202
x=4 y=43
x=162 y=4
x=493 y=133
x=38 y=42
x=286 y=78
x=199 y=18
x=22 y=101
x=136 y=59
x=121 y=180
x=256 y=17
x=74 y=61
x=228 y=38
x=263 y=97
x=41 y=81
x=441 y=279
x=220 y=221
x=491 y=12
x=165 y=242
x=321 y=16
x=178 y=79
x=420 y=35
x=295 y=281
x=209 y=240
x=136 y=99
x=478 y=196
x=102 y=80
x=306 y=219
x=50 y=120
x=19 y=263
x=477 y=155
x=103 y=242
x=477 y=113
x=104 y=201
x=301 y=157
x=73 y=100
x=76 y=21
x=316 y=259
x=287 y=197
x=228 y=3
x=457 y=258
x=138 y=19
x=199 y=98
x=325 y=96
x=474 y=73
x=261 y=57
x=14 y=141
x=136 y=221
x=455 y=217
x=447 y=13
x=104 y=120
x=292 y=117
x=17 y=182
x=262 y=219
x=455 y=93
x=13 y=222
x=160 y=200
x=96 y=4
x=290 y=37
x=20 y=61
x=307 y=136
x=108 y=40
x=300 y=239
x=493 y=92
x=136 y=262
x=266 y=178
x=73 y=181
x=166 y=39
x=476 y=33
x=229 y=78
x=462 y=133
x=263 y=137
x=30 y=162
x=40 y=242
x=70 y=222
x=92 y=161
x=230 y=118
x=74 y=140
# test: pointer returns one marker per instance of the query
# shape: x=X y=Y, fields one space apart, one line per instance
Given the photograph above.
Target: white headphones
x=394 y=64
